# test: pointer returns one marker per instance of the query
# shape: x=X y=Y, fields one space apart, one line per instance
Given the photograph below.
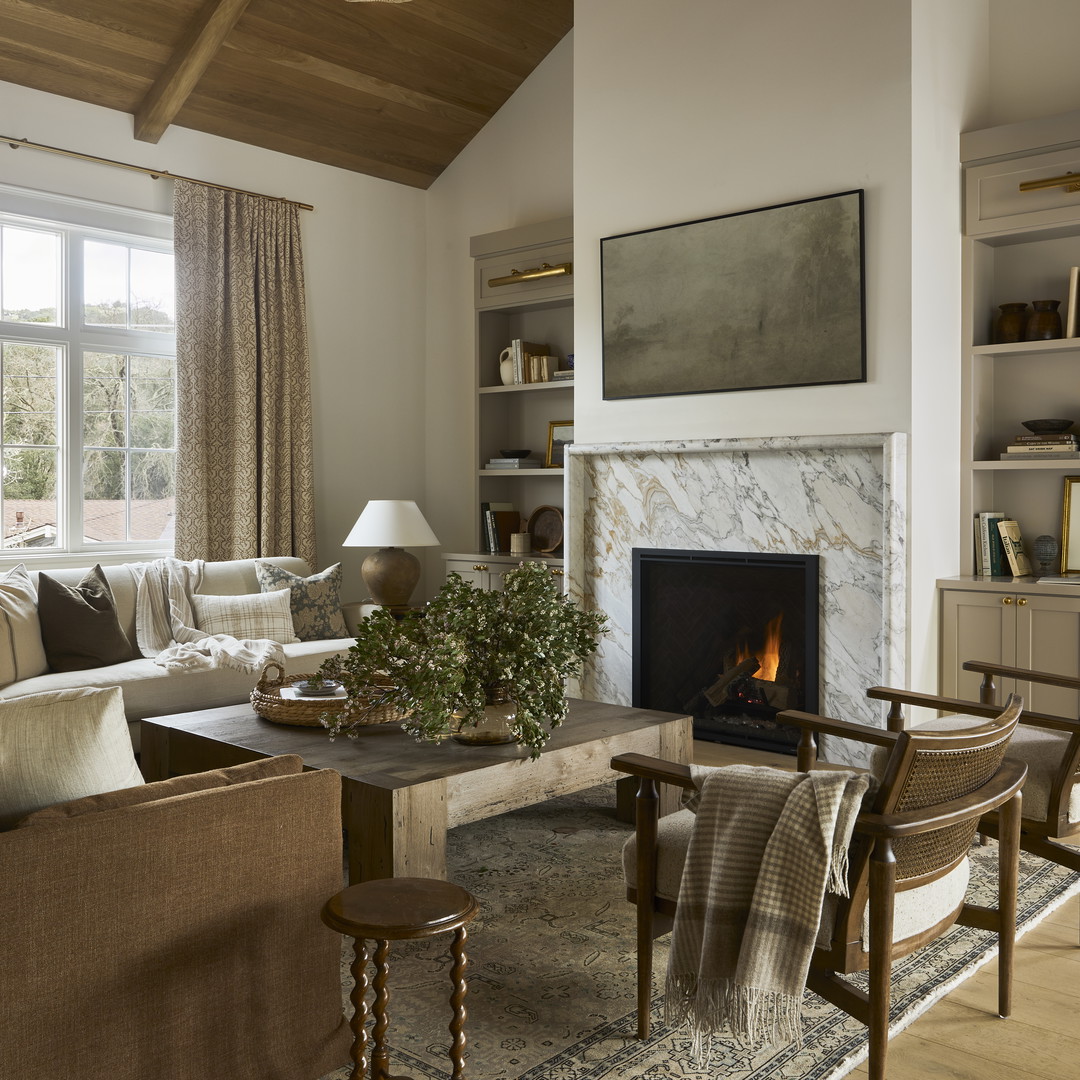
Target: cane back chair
x=908 y=860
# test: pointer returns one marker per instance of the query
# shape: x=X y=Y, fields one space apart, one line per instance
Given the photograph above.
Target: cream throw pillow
x=61 y=745
x=249 y=617
x=22 y=655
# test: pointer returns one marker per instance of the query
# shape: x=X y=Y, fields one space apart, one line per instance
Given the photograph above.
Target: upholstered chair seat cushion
x=1040 y=749
x=915 y=911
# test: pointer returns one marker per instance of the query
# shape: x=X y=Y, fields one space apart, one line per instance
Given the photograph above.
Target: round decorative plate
x=546 y=529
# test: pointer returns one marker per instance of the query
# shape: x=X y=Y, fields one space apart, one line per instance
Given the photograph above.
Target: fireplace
x=729 y=637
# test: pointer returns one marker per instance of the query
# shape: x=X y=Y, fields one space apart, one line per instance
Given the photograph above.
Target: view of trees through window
x=87 y=388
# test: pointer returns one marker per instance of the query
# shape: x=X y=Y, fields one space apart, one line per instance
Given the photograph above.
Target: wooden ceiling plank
x=350 y=78
x=213 y=119
x=190 y=60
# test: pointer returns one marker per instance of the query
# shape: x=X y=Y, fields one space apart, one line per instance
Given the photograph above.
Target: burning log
x=717 y=693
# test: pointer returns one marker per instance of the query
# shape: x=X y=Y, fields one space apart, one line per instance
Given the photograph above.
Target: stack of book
x=499 y=522
x=532 y=363
x=514 y=463
x=1042 y=446
x=999 y=547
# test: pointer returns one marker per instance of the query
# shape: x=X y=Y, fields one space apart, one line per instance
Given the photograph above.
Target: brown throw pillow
x=282 y=765
x=79 y=626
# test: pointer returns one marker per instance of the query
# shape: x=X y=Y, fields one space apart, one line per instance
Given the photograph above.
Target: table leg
x=396 y=830
x=457 y=1003
x=358 y=999
x=380 y=1053
x=154 y=752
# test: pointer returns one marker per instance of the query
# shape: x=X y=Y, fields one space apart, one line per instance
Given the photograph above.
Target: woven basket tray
x=268 y=703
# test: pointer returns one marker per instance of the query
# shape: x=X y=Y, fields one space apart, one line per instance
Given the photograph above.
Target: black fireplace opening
x=730 y=638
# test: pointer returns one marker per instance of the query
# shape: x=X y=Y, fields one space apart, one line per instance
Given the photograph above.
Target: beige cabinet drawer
x=993 y=201
x=503 y=266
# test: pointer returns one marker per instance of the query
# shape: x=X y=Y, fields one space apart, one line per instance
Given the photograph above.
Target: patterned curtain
x=244 y=476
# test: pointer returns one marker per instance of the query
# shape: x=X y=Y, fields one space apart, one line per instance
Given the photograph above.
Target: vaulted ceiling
x=393 y=90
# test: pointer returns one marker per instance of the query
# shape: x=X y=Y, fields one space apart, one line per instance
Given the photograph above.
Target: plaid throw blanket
x=765 y=846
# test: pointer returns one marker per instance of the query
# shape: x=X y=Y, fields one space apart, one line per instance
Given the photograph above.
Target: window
x=87 y=387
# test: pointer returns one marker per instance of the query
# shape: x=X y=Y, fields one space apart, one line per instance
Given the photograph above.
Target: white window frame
x=79 y=220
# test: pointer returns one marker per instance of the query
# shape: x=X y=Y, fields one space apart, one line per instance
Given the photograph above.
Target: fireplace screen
x=728 y=637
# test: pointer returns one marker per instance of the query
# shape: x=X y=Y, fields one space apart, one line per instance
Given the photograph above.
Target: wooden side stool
x=399 y=909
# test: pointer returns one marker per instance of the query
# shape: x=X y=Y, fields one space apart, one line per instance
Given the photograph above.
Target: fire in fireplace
x=729 y=637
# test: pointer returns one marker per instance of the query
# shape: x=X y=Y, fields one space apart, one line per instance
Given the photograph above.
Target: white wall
x=516 y=171
x=364 y=263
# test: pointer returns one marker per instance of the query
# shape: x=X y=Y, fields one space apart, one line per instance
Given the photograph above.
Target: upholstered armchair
x=908 y=859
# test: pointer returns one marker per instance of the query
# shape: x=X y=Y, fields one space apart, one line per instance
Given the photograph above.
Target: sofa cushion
x=251 y=617
x=282 y=765
x=22 y=656
x=62 y=745
x=79 y=626
x=315 y=600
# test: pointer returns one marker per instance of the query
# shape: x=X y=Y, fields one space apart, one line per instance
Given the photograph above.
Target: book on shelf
x=563 y=376
x=1071 y=323
x=514 y=463
x=989 y=548
x=520 y=350
x=1019 y=563
x=1038 y=447
x=1059 y=579
x=487 y=534
x=1043 y=455
x=1047 y=437
x=502 y=524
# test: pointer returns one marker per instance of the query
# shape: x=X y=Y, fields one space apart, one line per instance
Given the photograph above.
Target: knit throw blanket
x=164 y=623
x=765 y=846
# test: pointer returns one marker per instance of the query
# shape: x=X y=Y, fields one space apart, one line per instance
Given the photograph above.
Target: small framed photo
x=560 y=435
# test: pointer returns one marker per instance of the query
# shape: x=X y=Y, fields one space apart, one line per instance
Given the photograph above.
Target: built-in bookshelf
x=523 y=292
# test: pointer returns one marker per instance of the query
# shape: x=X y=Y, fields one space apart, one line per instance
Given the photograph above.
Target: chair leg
x=882 y=895
x=646 y=815
x=1008 y=887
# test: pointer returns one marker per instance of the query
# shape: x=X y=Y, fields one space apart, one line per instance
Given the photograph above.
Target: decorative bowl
x=515 y=453
x=324 y=689
x=1048 y=427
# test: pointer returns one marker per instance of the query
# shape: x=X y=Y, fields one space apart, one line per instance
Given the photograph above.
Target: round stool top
x=398 y=908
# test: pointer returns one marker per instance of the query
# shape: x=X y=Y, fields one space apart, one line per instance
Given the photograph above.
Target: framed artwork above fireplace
x=761 y=299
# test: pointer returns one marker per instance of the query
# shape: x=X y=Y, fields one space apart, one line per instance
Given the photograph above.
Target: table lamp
x=390 y=573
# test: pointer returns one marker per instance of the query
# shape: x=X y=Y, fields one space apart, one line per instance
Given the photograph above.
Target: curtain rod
x=16 y=144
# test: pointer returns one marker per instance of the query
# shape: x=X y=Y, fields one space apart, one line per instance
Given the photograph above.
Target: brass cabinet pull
x=1006 y=600
x=480 y=566
x=557 y=571
x=1022 y=601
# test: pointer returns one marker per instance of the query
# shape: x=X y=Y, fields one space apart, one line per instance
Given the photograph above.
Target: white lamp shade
x=391 y=523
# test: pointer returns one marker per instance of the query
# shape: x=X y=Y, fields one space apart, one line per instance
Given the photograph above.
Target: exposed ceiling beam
x=193 y=55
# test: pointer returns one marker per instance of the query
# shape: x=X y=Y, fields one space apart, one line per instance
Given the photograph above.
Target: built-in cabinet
x=524 y=288
x=1019 y=626
x=487 y=571
x=1018 y=245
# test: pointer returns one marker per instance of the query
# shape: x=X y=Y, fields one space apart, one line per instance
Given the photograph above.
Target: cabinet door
x=1048 y=639
x=975 y=626
x=475 y=573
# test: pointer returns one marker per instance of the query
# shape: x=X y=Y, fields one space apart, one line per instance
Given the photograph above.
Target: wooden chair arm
x=650 y=768
x=974 y=708
x=825 y=725
x=1005 y=784
x=985 y=667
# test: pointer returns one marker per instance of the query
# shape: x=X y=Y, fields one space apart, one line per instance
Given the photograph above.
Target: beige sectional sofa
x=151 y=690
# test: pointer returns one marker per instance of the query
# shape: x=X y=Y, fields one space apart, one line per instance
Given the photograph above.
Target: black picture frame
x=760 y=299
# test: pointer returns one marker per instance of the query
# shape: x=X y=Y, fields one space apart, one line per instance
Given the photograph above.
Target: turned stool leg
x=380 y=1054
x=457 y=1003
x=358 y=1000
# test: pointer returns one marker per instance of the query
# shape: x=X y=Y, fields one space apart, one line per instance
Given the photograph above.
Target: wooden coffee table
x=400 y=796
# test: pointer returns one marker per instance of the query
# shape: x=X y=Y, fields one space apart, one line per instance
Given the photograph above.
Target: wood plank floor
x=962 y=1037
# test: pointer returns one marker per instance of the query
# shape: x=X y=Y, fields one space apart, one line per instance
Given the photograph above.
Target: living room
x=645 y=115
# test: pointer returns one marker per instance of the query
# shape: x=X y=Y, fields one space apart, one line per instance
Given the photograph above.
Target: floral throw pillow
x=315 y=600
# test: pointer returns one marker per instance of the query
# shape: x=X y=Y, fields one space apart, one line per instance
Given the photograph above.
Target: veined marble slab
x=840 y=497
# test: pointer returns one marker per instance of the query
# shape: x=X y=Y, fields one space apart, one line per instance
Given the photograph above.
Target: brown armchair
x=908 y=853
x=1048 y=745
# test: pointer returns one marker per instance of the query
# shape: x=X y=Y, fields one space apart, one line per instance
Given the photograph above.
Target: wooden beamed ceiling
x=393 y=90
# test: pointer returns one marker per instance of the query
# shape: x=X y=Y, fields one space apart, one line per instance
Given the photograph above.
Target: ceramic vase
x=1044 y=322
x=1010 y=323
x=497 y=725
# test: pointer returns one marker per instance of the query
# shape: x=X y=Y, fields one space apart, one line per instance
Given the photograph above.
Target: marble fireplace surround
x=841 y=497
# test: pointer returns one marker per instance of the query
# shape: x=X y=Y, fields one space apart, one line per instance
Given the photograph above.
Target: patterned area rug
x=552 y=964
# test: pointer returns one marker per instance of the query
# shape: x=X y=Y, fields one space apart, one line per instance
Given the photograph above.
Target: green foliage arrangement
x=440 y=661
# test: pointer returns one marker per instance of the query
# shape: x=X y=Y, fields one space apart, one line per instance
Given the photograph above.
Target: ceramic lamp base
x=390 y=575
